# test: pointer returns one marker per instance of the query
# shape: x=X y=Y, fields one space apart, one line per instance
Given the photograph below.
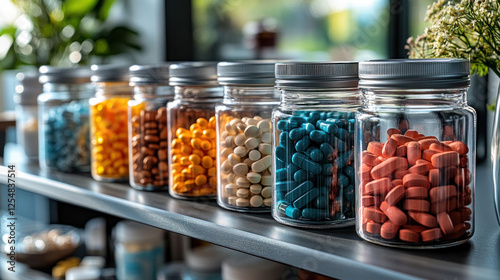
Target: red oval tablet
x=424 y=219
x=399 y=174
x=421 y=169
x=409 y=235
x=389 y=148
x=431 y=234
x=374 y=214
x=378 y=187
x=427 y=154
x=459 y=147
x=395 y=195
x=418 y=205
x=442 y=193
x=440 y=147
x=370 y=159
x=413 y=152
x=458 y=230
x=401 y=139
x=396 y=215
x=434 y=177
x=426 y=143
x=445 y=223
x=417 y=192
x=389 y=230
x=392 y=131
x=387 y=167
x=462 y=179
x=445 y=159
x=375 y=148
x=416 y=180
x=401 y=151
x=411 y=133
x=455 y=217
x=373 y=227
x=367 y=200
x=415 y=228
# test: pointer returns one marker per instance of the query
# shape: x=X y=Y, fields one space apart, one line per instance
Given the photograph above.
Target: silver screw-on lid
x=66 y=75
x=414 y=73
x=110 y=73
x=317 y=75
x=254 y=73
x=149 y=74
x=193 y=74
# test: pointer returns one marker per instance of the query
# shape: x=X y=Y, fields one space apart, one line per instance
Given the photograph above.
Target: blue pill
x=304 y=162
x=280 y=164
x=328 y=181
x=315 y=214
x=315 y=115
x=318 y=136
x=328 y=169
x=324 y=191
x=349 y=193
x=308 y=127
x=296 y=121
x=283 y=125
x=302 y=144
x=284 y=138
x=280 y=195
x=339 y=144
x=321 y=201
x=285 y=186
x=297 y=133
x=281 y=154
x=281 y=174
x=327 y=150
x=342 y=134
x=348 y=156
x=306 y=198
x=288 y=210
x=343 y=181
x=314 y=153
x=300 y=175
x=341 y=123
x=349 y=172
x=328 y=127
x=340 y=162
x=297 y=192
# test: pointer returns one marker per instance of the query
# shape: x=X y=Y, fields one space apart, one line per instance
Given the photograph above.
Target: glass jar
x=148 y=133
x=244 y=135
x=27 y=90
x=109 y=122
x=139 y=251
x=415 y=153
x=64 y=119
x=192 y=136
x=313 y=156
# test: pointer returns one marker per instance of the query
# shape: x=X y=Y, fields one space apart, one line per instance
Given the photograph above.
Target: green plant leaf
x=104 y=7
x=78 y=7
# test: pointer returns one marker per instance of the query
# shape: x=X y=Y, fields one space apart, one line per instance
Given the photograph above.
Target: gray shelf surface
x=337 y=253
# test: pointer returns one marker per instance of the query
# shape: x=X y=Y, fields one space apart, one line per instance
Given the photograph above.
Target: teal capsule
x=328 y=169
x=306 y=198
x=321 y=201
x=328 y=151
x=285 y=186
x=315 y=115
x=327 y=182
x=297 y=133
x=328 y=127
x=288 y=210
x=297 y=192
x=283 y=125
x=296 y=121
x=281 y=174
x=304 y=162
x=318 y=136
x=342 y=180
x=280 y=195
x=284 y=138
x=308 y=127
x=314 y=153
x=349 y=172
x=300 y=175
x=342 y=134
x=339 y=144
x=340 y=162
x=315 y=214
x=281 y=154
x=349 y=193
x=302 y=144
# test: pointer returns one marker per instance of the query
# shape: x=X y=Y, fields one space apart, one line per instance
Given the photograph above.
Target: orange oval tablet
x=367 y=200
x=392 y=131
x=401 y=139
x=375 y=148
x=427 y=154
x=374 y=214
x=445 y=223
x=418 y=205
x=396 y=182
x=396 y=215
x=431 y=234
x=421 y=169
x=444 y=205
x=462 y=179
x=409 y=235
x=420 y=137
x=378 y=187
x=415 y=228
x=434 y=177
x=459 y=147
x=416 y=192
x=445 y=159
x=424 y=219
x=399 y=174
x=395 y=195
x=401 y=151
x=442 y=193
x=387 y=167
x=370 y=159
x=411 y=133
x=413 y=152
x=389 y=148
x=373 y=227
x=426 y=143
x=416 y=180
x=440 y=147
x=389 y=230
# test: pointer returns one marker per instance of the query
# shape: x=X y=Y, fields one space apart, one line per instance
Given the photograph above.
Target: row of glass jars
x=307 y=157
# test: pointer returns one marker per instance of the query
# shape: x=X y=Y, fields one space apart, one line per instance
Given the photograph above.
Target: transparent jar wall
x=64 y=127
x=139 y=260
x=192 y=154
x=109 y=133
x=415 y=156
x=148 y=145
x=314 y=161
x=245 y=137
x=27 y=130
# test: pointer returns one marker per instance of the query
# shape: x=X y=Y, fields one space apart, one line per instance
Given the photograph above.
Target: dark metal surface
x=336 y=253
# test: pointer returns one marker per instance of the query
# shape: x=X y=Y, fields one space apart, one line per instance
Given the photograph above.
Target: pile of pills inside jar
x=315 y=166
x=149 y=146
x=110 y=140
x=246 y=162
x=66 y=137
x=194 y=153
x=415 y=188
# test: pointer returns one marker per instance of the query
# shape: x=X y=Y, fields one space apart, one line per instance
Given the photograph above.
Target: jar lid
x=110 y=73
x=246 y=267
x=28 y=88
x=415 y=73
x=317 y=74
x=66 y=75
x=149 y=74
x=130 y=232
x=246 y=73
x=193 y=73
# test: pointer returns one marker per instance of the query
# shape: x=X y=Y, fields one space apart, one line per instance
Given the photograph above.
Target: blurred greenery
x=65 y=33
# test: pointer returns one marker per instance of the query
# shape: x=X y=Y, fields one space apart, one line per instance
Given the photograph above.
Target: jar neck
x=198 y=93
x=345 y=97
x=236 y=94
x=155 y=91
x=423 y=98
x=113 y=88
x=68 y=88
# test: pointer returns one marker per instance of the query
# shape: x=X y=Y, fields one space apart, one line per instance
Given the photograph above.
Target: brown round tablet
x=417 y=192
x=423 y=219
x=409 y=235
x=389 y=230
x=374 y=214
x=395 y=195
x=431 y=234
x=445 y=223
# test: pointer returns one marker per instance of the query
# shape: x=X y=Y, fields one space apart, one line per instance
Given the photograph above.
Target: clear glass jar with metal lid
x=27 y=90
x=415 y=153
x=148 y=132
x=313 y=141
x=109 y=122
x=244 y=135
x=63 y=121
x=192 y=137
